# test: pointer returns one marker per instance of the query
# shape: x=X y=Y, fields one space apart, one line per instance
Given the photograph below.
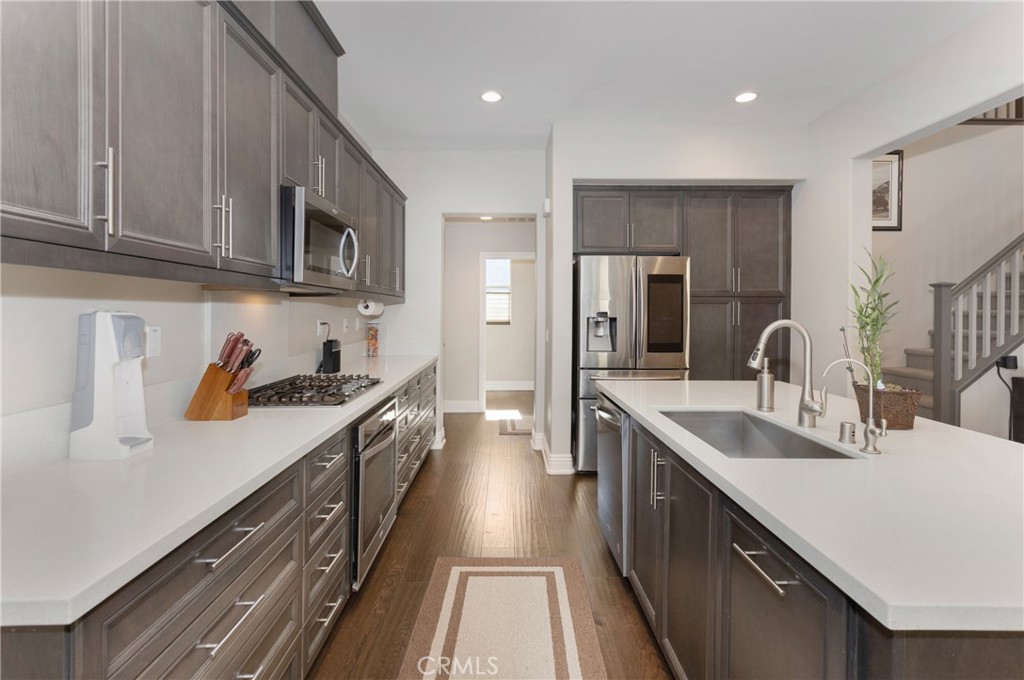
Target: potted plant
x=872 y=312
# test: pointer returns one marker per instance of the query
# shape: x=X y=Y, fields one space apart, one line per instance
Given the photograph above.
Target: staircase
x=979 y=319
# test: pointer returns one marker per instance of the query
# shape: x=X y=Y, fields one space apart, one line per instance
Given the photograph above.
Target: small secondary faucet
x=871 y=431
x=809 y=407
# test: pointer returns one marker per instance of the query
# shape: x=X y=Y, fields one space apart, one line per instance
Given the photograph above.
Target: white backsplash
x=38 y=327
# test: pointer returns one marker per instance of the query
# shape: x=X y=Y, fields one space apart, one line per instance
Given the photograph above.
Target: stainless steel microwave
x=319 y=249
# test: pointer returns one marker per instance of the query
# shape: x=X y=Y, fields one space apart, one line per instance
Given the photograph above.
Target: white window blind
x=498 y=289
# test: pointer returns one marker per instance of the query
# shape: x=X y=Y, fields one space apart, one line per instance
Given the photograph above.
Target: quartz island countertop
x=75 y=531
x=928 y=535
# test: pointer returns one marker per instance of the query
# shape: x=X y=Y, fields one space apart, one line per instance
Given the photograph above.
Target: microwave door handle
x=348 y=271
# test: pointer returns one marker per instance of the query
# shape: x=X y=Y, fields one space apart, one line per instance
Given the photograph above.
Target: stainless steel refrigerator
x=632 y=321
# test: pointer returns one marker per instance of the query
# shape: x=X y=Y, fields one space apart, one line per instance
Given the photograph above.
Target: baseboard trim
x=509 y=385
x=556 y=464
x=439 y=440
x=537 y=441
x=463 y=407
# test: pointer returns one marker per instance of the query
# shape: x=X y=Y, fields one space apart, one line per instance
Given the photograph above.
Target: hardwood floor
x=486 y=494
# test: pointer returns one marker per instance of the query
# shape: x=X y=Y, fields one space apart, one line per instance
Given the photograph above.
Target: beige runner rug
x=523 y=619
x=522 y=425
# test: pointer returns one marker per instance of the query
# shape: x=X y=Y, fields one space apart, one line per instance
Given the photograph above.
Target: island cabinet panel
x=160 y=93
x=688 y=571
x=47 y=107
x=646 y=543
x=780 y=618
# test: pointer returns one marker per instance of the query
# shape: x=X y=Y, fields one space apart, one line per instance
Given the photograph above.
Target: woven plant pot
x=898 y=407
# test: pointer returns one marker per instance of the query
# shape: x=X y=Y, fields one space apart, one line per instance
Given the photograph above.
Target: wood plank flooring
x=486 y=495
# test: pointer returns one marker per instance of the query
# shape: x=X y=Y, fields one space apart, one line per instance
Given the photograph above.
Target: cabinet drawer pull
x=334 y=608
x=330 y=461
x=249 y=676
x=216 y=562
x=775 y=585
x=333 y=558
x=215 y=647
x=333 y=507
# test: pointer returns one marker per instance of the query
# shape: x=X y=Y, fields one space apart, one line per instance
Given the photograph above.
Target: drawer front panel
x=404 y=479
x=323 y=515
x=327 y=463
x=232 y=620
x=127 y=631
x=322 y=568
x=271 y=647
x=324 y=615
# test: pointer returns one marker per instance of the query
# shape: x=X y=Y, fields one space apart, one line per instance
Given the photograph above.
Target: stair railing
x=966 y=344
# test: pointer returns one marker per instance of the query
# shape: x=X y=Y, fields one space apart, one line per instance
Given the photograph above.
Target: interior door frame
x=482 y=315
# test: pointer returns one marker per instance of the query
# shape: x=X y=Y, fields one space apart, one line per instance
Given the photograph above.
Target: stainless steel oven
x=375 y=487
x=319 y=247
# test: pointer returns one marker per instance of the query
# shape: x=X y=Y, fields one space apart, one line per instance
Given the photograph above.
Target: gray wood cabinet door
x=328 y=146
x=398 y=217
x=761 y=255
x=602 y=221
x=780 y=618
x=160 y=80
x=752 y=316
x=386 y=246
x=688 y=569
x=351 y=175
x=47 y=104
x=646 y=524
x=708 y=241
x=304 y=47
x=298 y=134
x=369 y=228
x=655 y=219
x=247 y=144
x=712 y=322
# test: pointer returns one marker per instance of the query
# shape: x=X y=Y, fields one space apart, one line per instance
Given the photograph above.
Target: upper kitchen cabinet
x=311 y=145
x=260 y=14
x=369 y=228
x=304 y=40
x=248 y=180
x=738 y=241
x=47 y=107
x=398 y=228
x=381 y=234
x=159 y=129
x=351 y=173
x=628 y=221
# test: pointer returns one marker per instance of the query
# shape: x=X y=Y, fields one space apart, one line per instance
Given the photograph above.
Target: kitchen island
x=926 y=538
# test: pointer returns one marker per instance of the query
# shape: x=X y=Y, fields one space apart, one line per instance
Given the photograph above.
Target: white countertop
x=929 y=535
x=74 y=532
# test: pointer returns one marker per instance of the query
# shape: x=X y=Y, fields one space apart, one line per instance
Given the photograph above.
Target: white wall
x=439 y=182
x=40 y=308
x=510 y=348
x=464 y=242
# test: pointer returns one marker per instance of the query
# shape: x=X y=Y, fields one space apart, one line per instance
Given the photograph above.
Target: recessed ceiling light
x=745 y=97
x=491 y=96
x=486 y=218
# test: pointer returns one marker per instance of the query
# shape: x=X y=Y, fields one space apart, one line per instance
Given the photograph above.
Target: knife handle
x=239 y=382
x=225 y=351
x=236 y=358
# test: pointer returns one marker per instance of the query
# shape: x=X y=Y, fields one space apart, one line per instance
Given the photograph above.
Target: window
x=498 y=289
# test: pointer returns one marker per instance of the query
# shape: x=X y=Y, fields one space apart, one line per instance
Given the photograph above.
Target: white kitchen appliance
x=108 y=409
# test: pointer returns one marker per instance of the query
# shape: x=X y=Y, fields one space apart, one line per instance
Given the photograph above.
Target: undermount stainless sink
x=738 y=434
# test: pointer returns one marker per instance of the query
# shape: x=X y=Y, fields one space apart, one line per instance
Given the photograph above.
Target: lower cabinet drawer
x=323 y=616
x=237 y=613
x=326 y=463
x=126 y=633
x=322 y=568
x=404 y=479
x=323 y=514
x=273 y=647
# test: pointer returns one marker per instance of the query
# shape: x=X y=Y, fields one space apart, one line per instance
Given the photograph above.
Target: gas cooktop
x=311 y=390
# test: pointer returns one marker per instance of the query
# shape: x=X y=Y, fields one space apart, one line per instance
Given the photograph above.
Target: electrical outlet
x=319 y=327
x=153 y=343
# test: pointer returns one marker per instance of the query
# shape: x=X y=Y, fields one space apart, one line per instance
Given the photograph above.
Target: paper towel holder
x=370 y=308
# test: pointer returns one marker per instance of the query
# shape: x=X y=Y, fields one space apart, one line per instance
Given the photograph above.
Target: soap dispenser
x=765 y=388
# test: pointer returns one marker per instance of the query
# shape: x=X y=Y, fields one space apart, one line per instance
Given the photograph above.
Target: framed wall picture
x=887 y=192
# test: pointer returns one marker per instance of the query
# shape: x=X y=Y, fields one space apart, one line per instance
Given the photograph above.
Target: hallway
x=486 y=494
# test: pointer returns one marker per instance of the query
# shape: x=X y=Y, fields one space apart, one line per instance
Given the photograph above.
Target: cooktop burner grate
x=311 y=390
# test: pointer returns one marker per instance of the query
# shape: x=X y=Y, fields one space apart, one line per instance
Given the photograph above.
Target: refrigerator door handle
x=640 y=321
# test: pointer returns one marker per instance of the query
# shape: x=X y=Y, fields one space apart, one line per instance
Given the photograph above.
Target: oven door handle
x=348 y=271
x=379 y=446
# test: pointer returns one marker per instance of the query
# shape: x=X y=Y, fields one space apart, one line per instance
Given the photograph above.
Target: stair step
x=922 y=357
x=913 y=378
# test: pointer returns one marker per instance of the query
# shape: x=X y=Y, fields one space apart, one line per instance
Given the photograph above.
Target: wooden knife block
x=211 y=400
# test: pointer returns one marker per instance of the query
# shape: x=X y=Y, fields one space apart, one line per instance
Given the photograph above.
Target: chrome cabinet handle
x=334 y=608
x=658 y=496
x=215 y=647
x=739 y=279
x=108 y=217
x=318 y=186
x=775 y=585
x=231 y=227
x=216 y=562
x=366 y=279
x=331 y=461
x=397 y=286
x=223 y=208
x=739 y=313
x=249 y=676
x=333 y=508
x=333 y=558
x=652 y=476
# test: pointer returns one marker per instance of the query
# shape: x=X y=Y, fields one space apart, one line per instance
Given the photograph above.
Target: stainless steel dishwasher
x=374 y=487
x=613 y=478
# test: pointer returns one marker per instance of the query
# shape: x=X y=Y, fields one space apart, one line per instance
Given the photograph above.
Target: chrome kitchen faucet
x=871 y=431
x=809 y=407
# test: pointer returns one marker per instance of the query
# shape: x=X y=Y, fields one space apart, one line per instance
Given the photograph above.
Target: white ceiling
x=414 y=71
